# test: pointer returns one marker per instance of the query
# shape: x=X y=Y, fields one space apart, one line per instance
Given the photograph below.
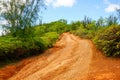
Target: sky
x=74 y=10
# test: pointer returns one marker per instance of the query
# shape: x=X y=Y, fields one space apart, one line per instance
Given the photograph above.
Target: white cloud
x=111 y=7
x=60 y=3
x=3 y=22
x=0 y=32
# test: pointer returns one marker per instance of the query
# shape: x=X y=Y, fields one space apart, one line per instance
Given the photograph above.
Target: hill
x=71 y=58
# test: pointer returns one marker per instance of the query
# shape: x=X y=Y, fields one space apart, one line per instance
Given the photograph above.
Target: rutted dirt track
x=71 y=58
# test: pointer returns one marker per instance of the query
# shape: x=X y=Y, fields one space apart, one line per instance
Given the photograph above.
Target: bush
x=39 y=30
x=108 y=40
x=49 y=39
x=84 y=33
x=14 y=48
x=8 y=45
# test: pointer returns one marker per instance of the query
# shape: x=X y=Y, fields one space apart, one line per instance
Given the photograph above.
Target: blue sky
x=73 y=10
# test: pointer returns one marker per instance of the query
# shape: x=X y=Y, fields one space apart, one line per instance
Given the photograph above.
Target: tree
x=75 y=25
x=20 y=15
x=118 y=13
x=63 y=21
x=86 y=21
x=100 y=22
x=112 y=20
x=59 y=26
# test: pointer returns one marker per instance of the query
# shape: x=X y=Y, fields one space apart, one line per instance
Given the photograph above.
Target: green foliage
x=20 y=16
x=44 y=36
x=100 y=22
x=48 y=39
x=84 y=31
x=59 y=26
x=112 y=20
x=10 y=45
x=118 y=13
x=86 y=21
x=108 y=40
x=39 y=30
x=75 y=25
x=104 y=32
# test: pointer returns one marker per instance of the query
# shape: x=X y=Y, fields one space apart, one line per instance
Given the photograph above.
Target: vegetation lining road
x=23 y=38
x=71 y=58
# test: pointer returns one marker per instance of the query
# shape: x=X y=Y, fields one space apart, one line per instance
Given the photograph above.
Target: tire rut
x=71 y=58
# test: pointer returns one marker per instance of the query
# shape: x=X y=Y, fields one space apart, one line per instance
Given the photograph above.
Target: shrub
x=14 y=47
x=84 y=33
x=49 y=39
x=8 y=45
x=108 y=40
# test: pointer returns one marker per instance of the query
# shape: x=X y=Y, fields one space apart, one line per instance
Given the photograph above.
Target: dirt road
x=71 y=58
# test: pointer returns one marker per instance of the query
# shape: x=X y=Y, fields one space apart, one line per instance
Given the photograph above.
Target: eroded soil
x=71 y=58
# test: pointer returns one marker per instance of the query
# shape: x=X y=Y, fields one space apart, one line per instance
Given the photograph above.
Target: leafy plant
x=20 y=16
x=109 y=41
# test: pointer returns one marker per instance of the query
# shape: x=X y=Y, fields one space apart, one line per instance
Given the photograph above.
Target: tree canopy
x=20 y=15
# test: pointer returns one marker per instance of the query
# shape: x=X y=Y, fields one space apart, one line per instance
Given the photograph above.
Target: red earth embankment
x=71 y=58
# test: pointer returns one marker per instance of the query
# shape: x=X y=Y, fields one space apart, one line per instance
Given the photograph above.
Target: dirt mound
x=71 y=58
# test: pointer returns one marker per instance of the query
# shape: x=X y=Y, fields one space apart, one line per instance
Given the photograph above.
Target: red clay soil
x=71 y=58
